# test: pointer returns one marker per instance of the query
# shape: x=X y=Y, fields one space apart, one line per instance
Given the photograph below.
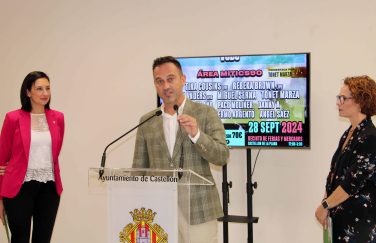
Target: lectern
x=146 y=205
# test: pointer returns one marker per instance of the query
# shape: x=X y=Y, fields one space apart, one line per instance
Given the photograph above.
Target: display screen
x=262 y=100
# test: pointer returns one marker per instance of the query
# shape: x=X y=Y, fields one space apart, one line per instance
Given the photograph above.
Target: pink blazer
x=15 y=146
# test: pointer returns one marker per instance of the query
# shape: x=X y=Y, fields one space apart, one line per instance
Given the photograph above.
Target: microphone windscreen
x=176 y=107
x=158 y=113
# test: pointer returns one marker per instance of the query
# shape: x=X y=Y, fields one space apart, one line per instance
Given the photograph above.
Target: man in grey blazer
x=201 y=136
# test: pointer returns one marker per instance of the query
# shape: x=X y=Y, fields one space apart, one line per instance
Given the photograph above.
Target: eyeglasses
x=342 y=98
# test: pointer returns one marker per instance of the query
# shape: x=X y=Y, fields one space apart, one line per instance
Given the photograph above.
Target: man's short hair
x=167 y=59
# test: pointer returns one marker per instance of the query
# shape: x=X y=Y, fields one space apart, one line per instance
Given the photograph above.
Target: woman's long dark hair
x=26 y=86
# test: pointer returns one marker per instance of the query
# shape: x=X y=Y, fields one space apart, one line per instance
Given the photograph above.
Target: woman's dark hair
x=26 y=86
x=363 y=89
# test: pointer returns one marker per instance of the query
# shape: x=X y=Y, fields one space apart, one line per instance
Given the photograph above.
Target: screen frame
x=307 y=137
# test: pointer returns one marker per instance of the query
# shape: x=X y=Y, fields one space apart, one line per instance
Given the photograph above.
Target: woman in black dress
x=350 y=198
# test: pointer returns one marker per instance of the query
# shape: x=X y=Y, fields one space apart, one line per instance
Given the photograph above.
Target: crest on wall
x=143 y=230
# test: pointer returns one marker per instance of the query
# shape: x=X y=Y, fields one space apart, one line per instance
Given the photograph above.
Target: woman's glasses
x=342 y=99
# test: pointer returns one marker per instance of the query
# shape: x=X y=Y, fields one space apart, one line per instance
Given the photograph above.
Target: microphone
x=103 y=162
x=181 y=162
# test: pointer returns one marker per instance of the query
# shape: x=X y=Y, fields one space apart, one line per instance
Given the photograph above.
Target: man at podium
x=188 y=136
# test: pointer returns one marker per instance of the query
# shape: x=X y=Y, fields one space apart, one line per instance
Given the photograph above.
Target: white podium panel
x=145 y=205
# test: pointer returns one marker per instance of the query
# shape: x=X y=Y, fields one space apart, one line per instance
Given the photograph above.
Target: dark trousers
x=38 y=201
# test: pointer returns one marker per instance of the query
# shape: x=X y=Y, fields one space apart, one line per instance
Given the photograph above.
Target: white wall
x=99 y=54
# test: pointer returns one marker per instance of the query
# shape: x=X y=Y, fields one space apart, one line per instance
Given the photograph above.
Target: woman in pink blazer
x=30 y=144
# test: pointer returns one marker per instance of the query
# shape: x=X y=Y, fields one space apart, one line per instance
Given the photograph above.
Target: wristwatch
x=325 y=204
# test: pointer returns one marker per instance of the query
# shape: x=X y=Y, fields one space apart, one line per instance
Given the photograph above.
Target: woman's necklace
x=349 y=135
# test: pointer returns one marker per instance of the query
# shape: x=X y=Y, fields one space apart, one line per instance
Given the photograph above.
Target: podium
x=145 y=205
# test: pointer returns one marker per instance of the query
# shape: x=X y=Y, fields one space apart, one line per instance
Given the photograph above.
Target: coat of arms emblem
x=143 y=230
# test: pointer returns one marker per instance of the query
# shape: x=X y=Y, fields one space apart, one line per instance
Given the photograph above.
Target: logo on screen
x=230 y=59
x=142 y=230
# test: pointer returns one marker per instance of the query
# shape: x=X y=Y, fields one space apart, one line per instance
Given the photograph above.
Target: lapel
x=54 y=130
x=25 y=130
x=344 y=155
x=351 y=144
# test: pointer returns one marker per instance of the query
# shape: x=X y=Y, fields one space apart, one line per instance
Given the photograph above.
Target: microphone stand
x=181 y=162
x=103 y=161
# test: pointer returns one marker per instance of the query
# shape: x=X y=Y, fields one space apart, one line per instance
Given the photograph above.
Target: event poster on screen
x=263 y=100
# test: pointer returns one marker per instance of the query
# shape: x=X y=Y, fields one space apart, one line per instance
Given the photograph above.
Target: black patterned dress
x=354 y=169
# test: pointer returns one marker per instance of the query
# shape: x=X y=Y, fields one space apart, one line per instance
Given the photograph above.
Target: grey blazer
x=151 y=152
